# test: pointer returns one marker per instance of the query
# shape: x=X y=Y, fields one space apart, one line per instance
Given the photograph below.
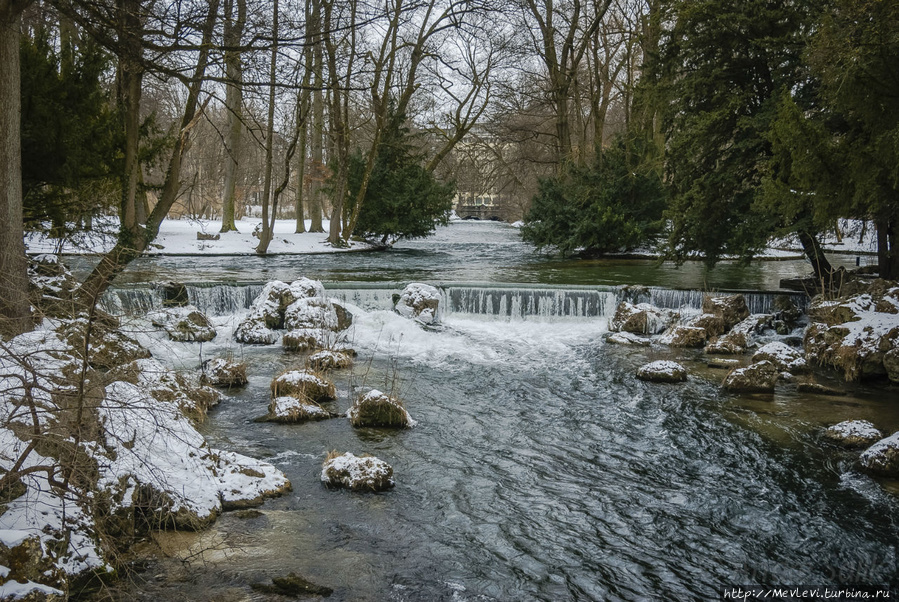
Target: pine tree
x=68 y=131
x=403 y=199
x=614 y=206
x=724 y=65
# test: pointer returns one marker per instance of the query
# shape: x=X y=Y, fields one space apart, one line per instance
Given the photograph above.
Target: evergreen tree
x=403 y=199
x=68 y=130
x=724 y=65
x=838 y=154
x=613 y=206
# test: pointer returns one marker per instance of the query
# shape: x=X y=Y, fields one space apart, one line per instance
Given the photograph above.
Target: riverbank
x=186 y=237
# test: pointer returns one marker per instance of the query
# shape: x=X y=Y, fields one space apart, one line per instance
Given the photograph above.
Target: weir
x=500 y=300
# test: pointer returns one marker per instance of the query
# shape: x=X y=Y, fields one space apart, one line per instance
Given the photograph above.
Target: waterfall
x=223 y=299
x=757 y=302
x=520 y=302
x=502 y=300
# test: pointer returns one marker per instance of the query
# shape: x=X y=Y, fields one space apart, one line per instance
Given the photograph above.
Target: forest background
x=699 y=126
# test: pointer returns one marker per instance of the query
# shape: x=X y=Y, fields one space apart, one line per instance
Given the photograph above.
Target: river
x=540 y=468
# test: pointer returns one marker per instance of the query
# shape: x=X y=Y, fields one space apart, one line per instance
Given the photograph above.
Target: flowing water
x=540 y=468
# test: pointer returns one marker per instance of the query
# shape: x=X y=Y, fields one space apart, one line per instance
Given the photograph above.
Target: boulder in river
x=303 y=383
x=305 y=339
x=641 y=318
x=681 y=335
x=377 y=409
x=730 y=308
x=222 y=372
x=786 y=358
x=255 y=332
x=662 y=371
x=184 y=323
x=359 y=473
x=298 y=305
x=853 y=433
x=760 y=377
x=419 y=302
x=882 y=458
x=289 y=409
x=329 y=360
x=311 y=313
x=628 y=338
x=713 y=324
x=729 y=344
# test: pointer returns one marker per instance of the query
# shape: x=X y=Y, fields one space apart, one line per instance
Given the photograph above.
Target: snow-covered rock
x=47 y=536
x=377 y=409
x=222 y=372
x=268 y=313
x=294 y=409
x=628 y=338
x=857 y=335
x=359 y=473
x=642 y=318
x=419 y=302
x=185 y=323
x=882 y=458
x=163 y=384
x=746 y=331
x=303 y=383
x=730 y=308
x=136 y=452
x=246 y=482
x=713 y=324
x=760 y=377
x=786 y=358
x=255 y=332
x=729 y=344
x=329 y=360
x=108 y=348
x=314 y=313
x=662 y=371
x=853 y=433
x=681 y=335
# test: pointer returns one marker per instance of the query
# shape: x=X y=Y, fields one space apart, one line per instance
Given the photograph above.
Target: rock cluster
x=857 y=335
x=300 y=309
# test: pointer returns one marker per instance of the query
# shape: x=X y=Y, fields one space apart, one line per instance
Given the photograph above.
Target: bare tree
x=135 y=236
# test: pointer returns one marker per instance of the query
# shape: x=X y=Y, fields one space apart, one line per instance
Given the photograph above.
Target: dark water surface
x=540 y=468
x=465 y=251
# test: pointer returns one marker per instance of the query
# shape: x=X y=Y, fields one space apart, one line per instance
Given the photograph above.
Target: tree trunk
x=130 y=74
x=318 y=123
x=266 y=235
x=15 y=307
x=301 y=175
x=824 y=272
x=233 y=105
x=887 y=249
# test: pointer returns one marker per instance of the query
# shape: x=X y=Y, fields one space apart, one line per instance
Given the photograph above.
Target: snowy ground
x=179 y=237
